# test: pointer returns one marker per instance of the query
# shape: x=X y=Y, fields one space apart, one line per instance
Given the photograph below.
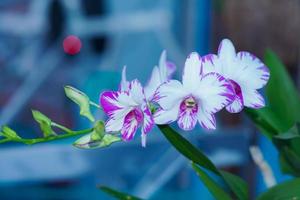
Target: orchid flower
x=244 y=71
x=197 y=98
x=124 y=85
x=159 y=75
x=127 y=110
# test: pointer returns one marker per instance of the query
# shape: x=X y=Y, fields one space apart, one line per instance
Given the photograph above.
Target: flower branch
x=47 y=139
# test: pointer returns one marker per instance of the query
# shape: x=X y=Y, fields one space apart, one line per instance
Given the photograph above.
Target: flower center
x=190 y=104
x=236 y=87
x=136 y=114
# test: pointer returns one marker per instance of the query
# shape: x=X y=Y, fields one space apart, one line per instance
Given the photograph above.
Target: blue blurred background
x=114 y=33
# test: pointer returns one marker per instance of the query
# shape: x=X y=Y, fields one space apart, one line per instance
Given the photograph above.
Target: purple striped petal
x=148 y=123
x=187 y=118
x=131 y=123
x=253 y=99
x=148 y=120
x=109 y=102
x=206 y=120
x=236 y=105
x=210 y=64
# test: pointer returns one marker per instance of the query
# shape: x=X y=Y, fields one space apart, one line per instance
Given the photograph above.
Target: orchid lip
x=236 y=87
x=189 y=103
x=136 y=114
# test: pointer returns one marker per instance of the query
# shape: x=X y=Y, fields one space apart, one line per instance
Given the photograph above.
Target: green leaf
x=212 y=186
x=287 y=136
x=266 y=121
x=82 y=100
x=289 y=190
x=187 y=149
x=285 y=166
x=288 y=145
x=193 y=154
x=44 y=122
x=289 y=161
x=237 y=185
x=117 y=194
x=9 y=133
x=96 y=139
x=281 y=92
x=295 y=145
x=283 y=100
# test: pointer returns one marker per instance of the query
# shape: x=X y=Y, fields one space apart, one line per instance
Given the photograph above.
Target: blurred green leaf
x=217 y=191
x=289 y=190
x=266 y=121
x=289 y=161
x=82 y=100
x=96 y=139
x=283 y=100
x=291 y=134
x=282 y=94
x=9 y=133
x=44 y=122
x=295 y=145
x=187 y=149
x=288 y=145
x=236 y=184
x=117 y=194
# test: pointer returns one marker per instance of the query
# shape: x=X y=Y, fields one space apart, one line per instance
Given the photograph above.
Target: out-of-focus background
x=34 y=69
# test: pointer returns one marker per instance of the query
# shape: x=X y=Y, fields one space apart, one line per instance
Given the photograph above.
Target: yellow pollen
x=190 y=102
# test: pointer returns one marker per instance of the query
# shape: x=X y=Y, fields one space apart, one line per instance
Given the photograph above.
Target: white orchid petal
x=214 y=92
x=166 y=68
x=205 y=119
x=251 y=66
x=136 y=92
x=143 y=139
x=191 y=72
x=226 y=51
x=153 y=84
x=253 y=99
x=114 y=125
x=166 y=116
x=124 y=85
x=169 y=94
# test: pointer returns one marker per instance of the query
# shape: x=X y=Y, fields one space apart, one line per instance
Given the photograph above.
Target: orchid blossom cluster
x=209 y=84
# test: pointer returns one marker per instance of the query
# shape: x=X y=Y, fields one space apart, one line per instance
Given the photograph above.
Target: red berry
x=72 y=45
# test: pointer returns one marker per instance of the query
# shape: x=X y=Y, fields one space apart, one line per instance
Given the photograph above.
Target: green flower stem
x=94 y=104
x=46 y=139
x=67 y=130
x=5 y=140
